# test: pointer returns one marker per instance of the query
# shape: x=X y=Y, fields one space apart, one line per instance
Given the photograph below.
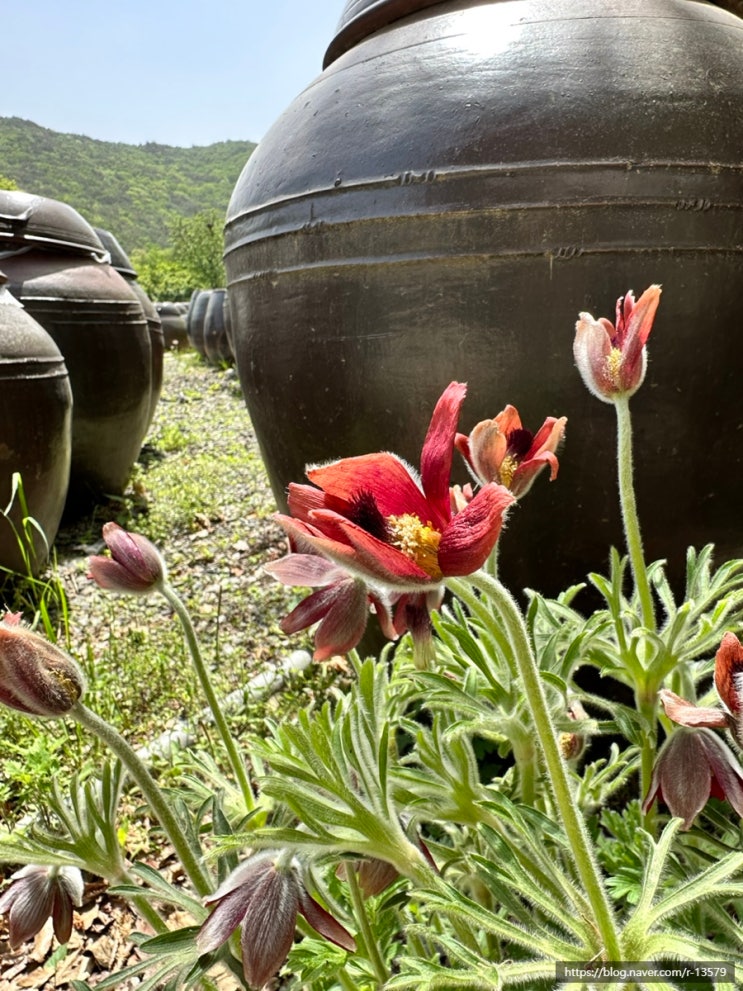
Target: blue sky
x=179 y=73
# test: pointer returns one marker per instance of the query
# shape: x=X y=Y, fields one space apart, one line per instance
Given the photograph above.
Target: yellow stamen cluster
x=614 y=365
x=508 y=469
x=419 y=541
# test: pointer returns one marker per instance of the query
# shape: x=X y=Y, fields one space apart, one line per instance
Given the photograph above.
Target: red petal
x=309 y=570
x=687 y=714
x=462 y=444
x=729 y=671
x=303 y=499
x=62 y=916
x=472 y=534
x=548 y=436
x=342 y=610
x=223 y=921
x=344 y=623
x=361 y=552
x=508 y=420
x=268 y=933
x=639 y=325
x=726 y=770
x=324 y=923
x=685 y=775
x=488 y=445
x=527 y=471
x=384 y=476
x=591 y=349
x=438 y=451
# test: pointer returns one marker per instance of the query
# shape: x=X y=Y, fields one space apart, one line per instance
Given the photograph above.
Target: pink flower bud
x=135 y=565
x=36 y=677
x=611 y=358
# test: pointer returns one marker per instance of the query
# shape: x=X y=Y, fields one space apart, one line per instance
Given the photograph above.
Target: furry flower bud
x=36 y=677
x=135 y=566
x=611 y=357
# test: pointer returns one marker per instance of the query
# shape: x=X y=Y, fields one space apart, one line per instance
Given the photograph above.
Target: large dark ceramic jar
x=195 y=319
x=35 y=433
x=58 y=268
x=173 y=320
x=440 y=203
x=217 y=346
x=122 y=263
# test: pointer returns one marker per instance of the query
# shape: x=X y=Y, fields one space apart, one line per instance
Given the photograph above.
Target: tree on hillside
x=161 y=277
x=198 y=245
x=193 y=260
x=6 y=183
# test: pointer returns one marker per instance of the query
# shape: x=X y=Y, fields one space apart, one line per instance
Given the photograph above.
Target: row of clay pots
x=209 y=325
x=81 y=363
x=173 y=322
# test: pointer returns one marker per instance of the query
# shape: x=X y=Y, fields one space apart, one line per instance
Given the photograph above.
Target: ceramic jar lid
x=27 y=220
x=119 y=258
x=360 y=18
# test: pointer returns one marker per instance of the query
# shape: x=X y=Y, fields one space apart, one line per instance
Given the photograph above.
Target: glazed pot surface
x=444 y=200
x=35 y=434
x=97 y=323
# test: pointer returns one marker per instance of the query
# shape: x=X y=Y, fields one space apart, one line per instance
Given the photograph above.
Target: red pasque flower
x=135 y=566
x=38 y=893
x=374 y=516
x=263 y=896
x=694 y=764
x=36 y=677
x=612 y=358
x=340 y=606
x=501 y=450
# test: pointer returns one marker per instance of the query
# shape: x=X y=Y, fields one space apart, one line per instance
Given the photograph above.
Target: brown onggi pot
x=440 y=203
x=35 y=436
x=173 y=320
x=58 y=268
x=122 y=263
x=195 y=319
x=217 y=346
x=97 y=322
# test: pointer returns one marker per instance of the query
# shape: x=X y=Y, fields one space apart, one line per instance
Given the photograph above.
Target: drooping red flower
x=263 y=896
x=340 y=607
x=135 y=566
x=692 y=766
x=38 y=893
x=502 y=450
x=612 y=358
x=376 y=517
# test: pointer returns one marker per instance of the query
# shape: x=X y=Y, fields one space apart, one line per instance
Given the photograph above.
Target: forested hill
x=131 y=190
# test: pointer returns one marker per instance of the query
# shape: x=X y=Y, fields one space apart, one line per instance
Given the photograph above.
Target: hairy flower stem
x=233 y=755
x=370 y=942
x=189 y=855
x=647 y=707
x=572 y=821
x=630 y=518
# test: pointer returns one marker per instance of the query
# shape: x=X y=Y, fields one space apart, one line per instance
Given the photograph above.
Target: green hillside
x=132 y=190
